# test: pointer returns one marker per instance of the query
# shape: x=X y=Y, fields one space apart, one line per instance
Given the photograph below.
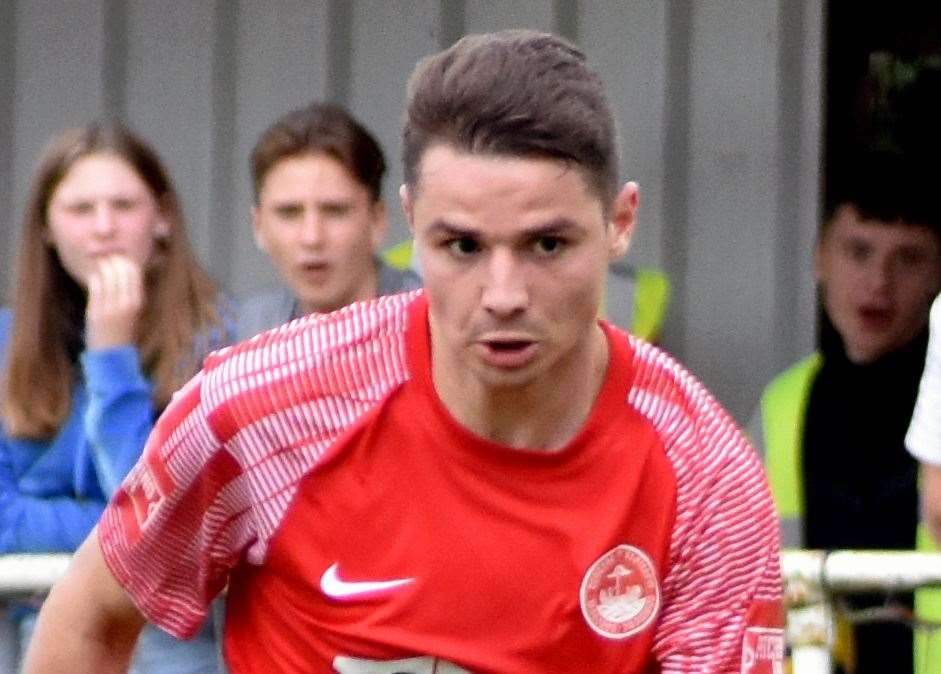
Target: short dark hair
x=517 y=93
x=321 y=128
x=887 y=186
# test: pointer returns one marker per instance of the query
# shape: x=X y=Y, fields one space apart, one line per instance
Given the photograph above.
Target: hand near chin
x=115 y=300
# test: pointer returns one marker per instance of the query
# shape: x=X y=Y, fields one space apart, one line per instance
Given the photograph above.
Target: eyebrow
x=276 y=202
x=555 y=227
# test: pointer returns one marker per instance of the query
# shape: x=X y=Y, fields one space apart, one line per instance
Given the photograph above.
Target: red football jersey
x=363 y=530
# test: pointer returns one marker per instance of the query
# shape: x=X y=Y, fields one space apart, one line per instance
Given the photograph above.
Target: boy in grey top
x=267 y=310
x=319 y=215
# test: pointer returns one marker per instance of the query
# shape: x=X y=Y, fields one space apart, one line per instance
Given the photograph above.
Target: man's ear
x=380 y=223
x=405 y=196
x=258 y=231
x=622 y=219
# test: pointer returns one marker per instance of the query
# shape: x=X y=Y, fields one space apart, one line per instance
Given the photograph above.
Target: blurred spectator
x=112 y=313
x=319 y=215
x=833 y=425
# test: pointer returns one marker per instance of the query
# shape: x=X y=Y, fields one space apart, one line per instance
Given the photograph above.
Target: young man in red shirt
x=478 y=477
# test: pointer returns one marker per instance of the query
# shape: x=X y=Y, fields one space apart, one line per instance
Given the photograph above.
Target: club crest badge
x=620 y=595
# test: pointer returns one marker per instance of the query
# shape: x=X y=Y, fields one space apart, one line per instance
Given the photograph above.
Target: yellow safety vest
x=399 y=256
x=649 y=293
x=783 y=411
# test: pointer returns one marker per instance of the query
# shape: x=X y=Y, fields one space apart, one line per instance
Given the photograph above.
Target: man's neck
x=545 y=414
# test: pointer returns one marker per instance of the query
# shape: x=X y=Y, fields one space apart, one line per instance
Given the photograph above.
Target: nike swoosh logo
x=333 y=586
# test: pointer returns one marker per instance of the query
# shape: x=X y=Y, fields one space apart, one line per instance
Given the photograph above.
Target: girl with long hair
x=111 y=314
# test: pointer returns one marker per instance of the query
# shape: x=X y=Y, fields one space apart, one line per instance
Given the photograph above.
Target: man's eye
x=463 y=246
x=288 y=212
x=859 y=252
x=336 y=210
x=912 y=258
x=547 y=245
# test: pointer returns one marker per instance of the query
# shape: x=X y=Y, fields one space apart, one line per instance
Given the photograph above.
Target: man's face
x=320 y=227
x=514 y=254
x=878 y=280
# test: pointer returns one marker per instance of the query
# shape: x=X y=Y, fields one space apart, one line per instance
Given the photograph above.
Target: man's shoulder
x=393 y=280
x=320 y=334
x=715 y=467
x=660 y=376
x=359 y=346
x=694 y=427
x=265 y=299
x=263 y=311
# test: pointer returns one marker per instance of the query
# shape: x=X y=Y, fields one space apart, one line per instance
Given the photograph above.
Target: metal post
x=812 y=577
x=29 y=574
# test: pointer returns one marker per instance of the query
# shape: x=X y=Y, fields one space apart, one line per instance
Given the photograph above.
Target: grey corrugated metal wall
x=719 y=104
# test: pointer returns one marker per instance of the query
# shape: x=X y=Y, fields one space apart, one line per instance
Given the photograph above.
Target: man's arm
x=722 y=609
x=88 y=623
x=931 y=500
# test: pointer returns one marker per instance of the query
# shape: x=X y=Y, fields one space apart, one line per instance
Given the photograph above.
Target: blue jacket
x=53 y=491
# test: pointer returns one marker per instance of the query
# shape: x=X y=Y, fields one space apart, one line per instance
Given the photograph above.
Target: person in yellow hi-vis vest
x=832 y=426
x=636 y=299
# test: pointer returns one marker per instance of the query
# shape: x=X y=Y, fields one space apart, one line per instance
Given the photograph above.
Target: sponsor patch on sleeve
x=763 y=650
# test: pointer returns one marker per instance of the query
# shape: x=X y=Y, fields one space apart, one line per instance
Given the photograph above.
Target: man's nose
x=313 y=231
x=882 y=274
x=505 y=292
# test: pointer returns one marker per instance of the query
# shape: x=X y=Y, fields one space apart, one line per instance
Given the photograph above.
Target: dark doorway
x=883 y=81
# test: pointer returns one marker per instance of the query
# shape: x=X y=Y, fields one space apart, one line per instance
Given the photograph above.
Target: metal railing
x=29 y=574
x=812 y=580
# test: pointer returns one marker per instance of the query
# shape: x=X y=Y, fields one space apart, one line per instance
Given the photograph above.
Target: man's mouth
x=875 y=318
x=510 y=345
x=313 y=269
x=508 y=353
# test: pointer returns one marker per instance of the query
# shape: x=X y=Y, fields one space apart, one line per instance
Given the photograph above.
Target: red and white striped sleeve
x=177 y=523
x=722 y=610
x=223 y=462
